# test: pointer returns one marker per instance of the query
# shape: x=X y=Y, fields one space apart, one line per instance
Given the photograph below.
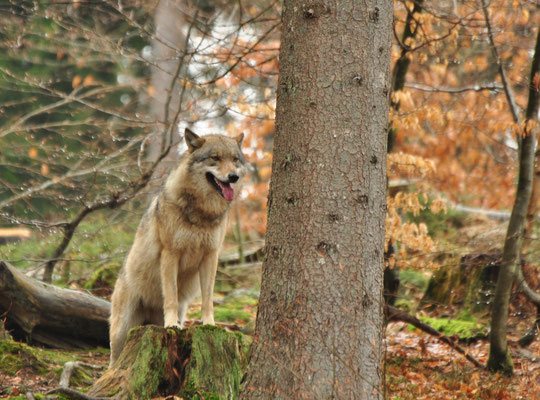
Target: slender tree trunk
x=499 y=356
x=319 y=326
x=402 y=64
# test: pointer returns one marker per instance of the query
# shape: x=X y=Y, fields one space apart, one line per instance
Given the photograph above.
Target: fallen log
x=198 y=362
x=45 y=314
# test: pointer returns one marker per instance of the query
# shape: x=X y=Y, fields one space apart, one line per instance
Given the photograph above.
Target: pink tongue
x=227 y=190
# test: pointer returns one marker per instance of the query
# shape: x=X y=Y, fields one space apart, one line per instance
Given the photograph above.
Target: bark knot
x=374 y=15
x=324 y=248
x=313 y=10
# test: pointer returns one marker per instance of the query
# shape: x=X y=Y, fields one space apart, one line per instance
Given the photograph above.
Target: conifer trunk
x=319 y=326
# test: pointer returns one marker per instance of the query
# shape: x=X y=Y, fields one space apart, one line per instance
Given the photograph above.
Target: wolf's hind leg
x=122 y=320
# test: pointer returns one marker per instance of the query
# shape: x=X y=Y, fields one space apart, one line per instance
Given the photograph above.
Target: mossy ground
x=26 y=368
x=16 y=356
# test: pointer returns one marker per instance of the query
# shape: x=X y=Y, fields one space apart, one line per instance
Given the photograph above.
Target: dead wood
x=49 y=315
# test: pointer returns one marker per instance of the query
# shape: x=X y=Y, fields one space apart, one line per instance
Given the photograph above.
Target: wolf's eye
x=236 y=159
x=215 y=158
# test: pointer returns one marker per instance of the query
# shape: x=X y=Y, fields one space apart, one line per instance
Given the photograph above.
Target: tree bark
x=499 y=356
x=50 y=315
x=319 y=326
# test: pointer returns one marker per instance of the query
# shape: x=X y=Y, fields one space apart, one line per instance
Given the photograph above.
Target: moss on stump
x=201 y=362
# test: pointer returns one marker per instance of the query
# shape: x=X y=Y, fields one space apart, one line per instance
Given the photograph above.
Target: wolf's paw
x=173 y=324
x=208 y=321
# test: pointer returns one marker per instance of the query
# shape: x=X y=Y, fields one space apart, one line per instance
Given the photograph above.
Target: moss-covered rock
x=201 y=362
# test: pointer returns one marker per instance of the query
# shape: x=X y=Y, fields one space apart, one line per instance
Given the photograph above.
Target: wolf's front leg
x=169 y=279
x=207 y=276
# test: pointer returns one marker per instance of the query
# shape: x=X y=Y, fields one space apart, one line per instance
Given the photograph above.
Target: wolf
x=174 y=255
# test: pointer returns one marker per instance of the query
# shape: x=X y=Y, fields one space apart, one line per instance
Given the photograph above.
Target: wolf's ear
x=193 y=140
x=239 y=139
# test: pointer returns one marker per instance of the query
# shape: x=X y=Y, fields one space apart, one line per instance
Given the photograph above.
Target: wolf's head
x=219 y=160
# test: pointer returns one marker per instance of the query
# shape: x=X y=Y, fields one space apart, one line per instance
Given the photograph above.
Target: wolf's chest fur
x=188 y=227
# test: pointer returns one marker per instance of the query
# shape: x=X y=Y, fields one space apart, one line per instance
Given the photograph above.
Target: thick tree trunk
x=51 y=315
x=499 y=356
x=202 y=362
x=319 y=326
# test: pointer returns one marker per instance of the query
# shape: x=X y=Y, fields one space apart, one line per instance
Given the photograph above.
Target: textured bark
x=499 y=356
x=319 y=326
x=51 y=315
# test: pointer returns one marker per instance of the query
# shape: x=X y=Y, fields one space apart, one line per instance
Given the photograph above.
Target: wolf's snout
x=233 y=178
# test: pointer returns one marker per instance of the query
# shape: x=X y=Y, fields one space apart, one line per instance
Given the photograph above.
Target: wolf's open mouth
x=223 y=188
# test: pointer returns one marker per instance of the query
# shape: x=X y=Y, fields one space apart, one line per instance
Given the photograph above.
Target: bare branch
x=476 y=88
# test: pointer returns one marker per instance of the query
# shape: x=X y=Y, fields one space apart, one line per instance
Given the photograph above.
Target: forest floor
x=417 y=366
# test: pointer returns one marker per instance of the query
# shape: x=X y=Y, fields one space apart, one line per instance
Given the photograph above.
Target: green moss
x=465 y=330
x=148 y=367
x=207 y=379
x=15 y=356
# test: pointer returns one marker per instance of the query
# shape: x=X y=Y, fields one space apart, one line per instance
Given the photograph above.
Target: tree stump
x=203 y=362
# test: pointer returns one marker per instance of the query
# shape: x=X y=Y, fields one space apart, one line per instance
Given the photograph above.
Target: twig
x=399 y=315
